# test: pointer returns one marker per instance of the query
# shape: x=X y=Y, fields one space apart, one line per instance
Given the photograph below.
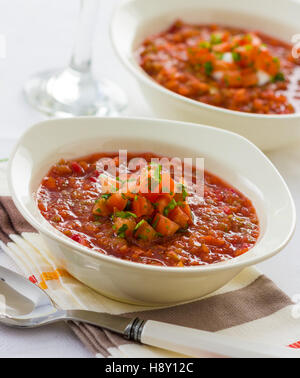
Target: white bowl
x=134 y=20
x=226 y=154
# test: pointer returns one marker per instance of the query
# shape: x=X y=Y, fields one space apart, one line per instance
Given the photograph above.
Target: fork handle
x=195 y=343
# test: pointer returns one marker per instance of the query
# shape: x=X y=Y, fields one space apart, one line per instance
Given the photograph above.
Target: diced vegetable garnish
x=133 y=213
x=180 y=217
x=117 y=201
x=124 y=227
x=171 y=205
x=164 y=225
x=162 y=203
x=144 y=231
x=141 y=206
x=125 y=214
x=100 y=208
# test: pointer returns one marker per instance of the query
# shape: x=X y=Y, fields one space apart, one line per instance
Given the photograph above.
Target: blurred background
x=39 y=36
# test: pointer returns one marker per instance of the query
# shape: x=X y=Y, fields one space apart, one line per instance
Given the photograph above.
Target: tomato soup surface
x=226 y=67
x=164 y=229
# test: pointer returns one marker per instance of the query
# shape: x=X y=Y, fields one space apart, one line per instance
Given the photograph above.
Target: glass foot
x=67 y=93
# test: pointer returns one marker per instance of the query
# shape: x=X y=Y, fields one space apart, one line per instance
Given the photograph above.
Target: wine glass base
x=67 y=93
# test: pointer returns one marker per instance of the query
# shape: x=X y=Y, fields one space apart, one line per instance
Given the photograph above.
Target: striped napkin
x=250 y=307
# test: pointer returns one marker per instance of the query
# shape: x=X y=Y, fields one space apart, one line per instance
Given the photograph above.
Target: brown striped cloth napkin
x=249 y=307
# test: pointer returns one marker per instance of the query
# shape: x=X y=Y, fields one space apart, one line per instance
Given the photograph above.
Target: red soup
x=167 y=228
x=227 y=67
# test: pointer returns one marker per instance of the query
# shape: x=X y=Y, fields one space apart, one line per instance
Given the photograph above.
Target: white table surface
x=39 y=36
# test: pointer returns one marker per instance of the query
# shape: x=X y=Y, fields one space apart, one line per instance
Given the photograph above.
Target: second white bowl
x=134 y=20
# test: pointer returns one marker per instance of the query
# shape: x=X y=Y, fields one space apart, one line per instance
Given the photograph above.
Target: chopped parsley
x=183 y=191
x=208 y=67
x=105 y=196
x=121 y=231
x=215 y=39
x=236 y=56
x=204 y=45
x=278 y=77
x=171 y=206
x=124 y=214
x=155 y=223
x=139 y=225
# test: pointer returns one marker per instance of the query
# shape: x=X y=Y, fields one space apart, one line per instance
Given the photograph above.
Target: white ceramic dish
x=134 y=20
x=226 y=154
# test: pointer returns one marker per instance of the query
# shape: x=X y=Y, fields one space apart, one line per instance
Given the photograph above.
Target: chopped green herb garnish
x=139 y=225
x=171 y=206
x=183 y=191
x=124 y=214
x=219 y=55
x=105 y=196
x=208 y=67
x=215 y=39
x=155 y=223
x=278 y=77
x=236 y=56
x=204 y=45
x=122 y=230
x=143 y=237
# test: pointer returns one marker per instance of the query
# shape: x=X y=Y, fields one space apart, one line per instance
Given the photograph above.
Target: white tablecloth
x=39 y=36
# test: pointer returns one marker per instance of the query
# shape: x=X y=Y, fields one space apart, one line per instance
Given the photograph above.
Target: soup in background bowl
x=237 y=69
x=270 y=118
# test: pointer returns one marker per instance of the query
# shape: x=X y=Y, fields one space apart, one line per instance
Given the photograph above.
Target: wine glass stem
x=82 y=53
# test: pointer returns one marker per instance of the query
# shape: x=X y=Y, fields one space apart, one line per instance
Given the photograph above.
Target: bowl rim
x=145 y=78
x=58 y=237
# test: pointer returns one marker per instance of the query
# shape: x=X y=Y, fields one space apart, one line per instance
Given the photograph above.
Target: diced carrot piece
x=100 y=208
x=164 y=225
x=187 y=210
x=266 y=62
x=179 y=216
x=124 y=226
x=249 y=79
x=142 y=206
x=118 y=201
x=145 y=232
x=162 y=203
x=233 y=79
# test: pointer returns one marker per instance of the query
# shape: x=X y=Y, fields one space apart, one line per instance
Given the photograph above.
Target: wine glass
x=74 y=91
